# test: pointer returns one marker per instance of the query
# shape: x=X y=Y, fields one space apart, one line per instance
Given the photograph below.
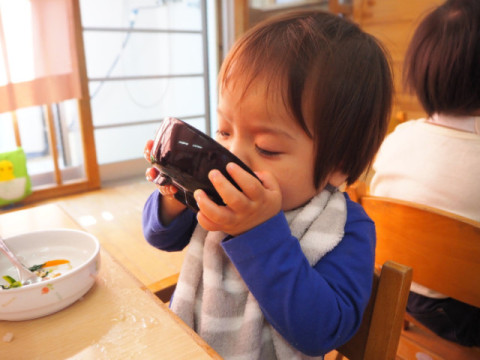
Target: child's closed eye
x=222 y=134
x=265 y=152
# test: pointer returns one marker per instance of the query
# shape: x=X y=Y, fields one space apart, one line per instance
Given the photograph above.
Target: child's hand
x=244 y=210
x=151 y=174
x=170 y=207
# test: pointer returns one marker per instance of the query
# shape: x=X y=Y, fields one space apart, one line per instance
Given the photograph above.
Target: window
x=44 y=106
x=131 y=63
x=145 y=60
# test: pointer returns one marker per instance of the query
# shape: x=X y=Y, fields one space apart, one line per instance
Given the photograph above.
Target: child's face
x=260 y=131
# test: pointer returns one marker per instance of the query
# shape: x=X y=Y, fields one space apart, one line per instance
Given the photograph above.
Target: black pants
x=449 y=318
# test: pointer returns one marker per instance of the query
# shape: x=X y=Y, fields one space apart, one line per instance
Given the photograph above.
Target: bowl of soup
x=67 y=261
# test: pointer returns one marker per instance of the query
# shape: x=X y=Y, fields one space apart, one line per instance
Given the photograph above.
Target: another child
x=286 y=267
x=436 y=160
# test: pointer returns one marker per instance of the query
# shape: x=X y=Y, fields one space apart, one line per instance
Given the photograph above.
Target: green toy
x=15 y=184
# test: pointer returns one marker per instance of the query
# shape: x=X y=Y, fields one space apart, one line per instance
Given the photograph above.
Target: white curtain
x=38 y=57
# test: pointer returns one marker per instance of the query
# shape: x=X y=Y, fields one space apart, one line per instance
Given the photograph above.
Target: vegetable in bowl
x=47 y=270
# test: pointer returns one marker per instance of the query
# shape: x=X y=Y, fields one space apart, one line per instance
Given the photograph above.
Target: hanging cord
x=133 y=15
x=133 y=18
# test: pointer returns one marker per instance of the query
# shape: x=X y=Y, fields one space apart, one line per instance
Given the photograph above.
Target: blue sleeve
x=172 y=238
x=315 y=309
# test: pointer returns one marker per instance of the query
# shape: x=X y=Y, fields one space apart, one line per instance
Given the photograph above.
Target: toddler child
x=285 y=269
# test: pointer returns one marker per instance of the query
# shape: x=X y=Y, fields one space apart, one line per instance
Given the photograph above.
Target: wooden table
x=116 y=319
x=114 y=215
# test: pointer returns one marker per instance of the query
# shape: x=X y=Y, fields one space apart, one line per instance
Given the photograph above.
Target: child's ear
x=336 y=178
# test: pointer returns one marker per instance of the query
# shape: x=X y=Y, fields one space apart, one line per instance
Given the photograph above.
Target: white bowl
x=48 y=296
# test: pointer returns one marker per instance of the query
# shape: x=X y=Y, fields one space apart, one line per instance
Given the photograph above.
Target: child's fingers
x=147 y=149
x=204 y=202
x=251 y=187
x=211 y=214
x=206 y=223
x=206 y=209
x=268 y=181
x=151 y=174
x=230 y=195
x=167 y=190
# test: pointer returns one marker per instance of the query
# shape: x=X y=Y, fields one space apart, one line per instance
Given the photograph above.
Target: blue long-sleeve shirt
x=316 y=309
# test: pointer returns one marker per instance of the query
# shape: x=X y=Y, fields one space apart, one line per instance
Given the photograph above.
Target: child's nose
x=240 y=150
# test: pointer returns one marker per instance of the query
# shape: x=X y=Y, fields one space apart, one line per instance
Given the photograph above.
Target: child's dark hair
x=442 y=64
x=333 y=78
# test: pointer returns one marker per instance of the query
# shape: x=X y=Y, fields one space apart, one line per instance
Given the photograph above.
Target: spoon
x=26 y=276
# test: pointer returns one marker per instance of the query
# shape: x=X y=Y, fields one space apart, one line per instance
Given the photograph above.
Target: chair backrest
x=443 y=249
x=379 y=333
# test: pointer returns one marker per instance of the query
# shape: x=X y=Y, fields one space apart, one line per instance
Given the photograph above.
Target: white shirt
x=431 y=165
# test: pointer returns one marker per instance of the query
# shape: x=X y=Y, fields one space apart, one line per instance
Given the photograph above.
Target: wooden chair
x=379 y=333
x=357 y=190
x=443 y=249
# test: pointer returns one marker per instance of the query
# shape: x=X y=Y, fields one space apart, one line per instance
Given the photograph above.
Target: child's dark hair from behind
x=335 y=79
x=442 y=63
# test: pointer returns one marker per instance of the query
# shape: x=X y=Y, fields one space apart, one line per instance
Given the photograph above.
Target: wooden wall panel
x=388 y=11
x=393 y=23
